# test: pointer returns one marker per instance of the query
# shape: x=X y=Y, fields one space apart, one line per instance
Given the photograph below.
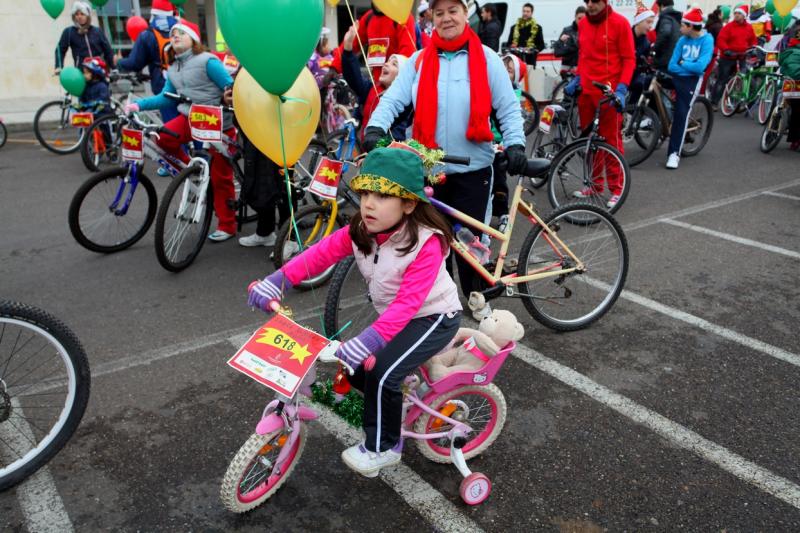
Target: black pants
x=794 y=121
x=726 y=68
x=500 y=188
x=420 y=340
x=264 y=189
x=468 y=192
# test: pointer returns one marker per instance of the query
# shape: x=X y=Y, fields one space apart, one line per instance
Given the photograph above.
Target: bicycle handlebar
x=181 y=99
x=150 y=128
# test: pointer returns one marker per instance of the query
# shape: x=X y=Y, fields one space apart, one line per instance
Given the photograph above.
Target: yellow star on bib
x=300 y=353
x=212 y=120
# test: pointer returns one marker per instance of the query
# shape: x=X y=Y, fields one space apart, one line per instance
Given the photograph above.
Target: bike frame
x=527 y=210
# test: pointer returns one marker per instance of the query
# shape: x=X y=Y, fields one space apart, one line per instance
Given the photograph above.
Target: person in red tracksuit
x=606 y=55
x=374 y=25
x=735 y=38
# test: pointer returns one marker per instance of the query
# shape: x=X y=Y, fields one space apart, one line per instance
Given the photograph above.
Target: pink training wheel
x=475 y=488
x=369 y=363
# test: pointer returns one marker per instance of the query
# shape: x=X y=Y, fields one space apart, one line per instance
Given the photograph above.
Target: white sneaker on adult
x=257 y=240
x=482 y=313
x=368 y=463
x=673 y=161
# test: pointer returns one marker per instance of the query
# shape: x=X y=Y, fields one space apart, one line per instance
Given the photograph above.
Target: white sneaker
x=257 y=240
x=368 y=463
x=482 y=313
x=290 y=248
x=673 y=161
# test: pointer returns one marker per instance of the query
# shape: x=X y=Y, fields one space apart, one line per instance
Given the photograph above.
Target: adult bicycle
x=747 y=88
x=649 y=122
x=44 y=389
x=570 y=269
x=778 y=123
x=52 y=125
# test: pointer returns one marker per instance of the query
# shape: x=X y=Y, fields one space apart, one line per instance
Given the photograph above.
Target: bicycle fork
x=193 y=195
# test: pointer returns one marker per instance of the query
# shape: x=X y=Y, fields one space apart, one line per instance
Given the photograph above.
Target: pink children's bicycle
x=452 y=419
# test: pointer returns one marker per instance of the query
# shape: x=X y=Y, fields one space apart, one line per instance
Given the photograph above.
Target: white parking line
x=696 y=321
x=733 y=238
x=673 y=432
x=782 y=195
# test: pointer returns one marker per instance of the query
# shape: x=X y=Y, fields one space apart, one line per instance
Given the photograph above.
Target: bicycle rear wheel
x=767 y=100
x=530 y=113
x=641 y=131
x=44 y=389
x=773 y=129
x=101 y=146
x=578 y=174
x=731 y=101
x=106 y=215
x=314 y=223
x=183 y=220
x=698 y=127
x=348 y=305
x=577 y=299
x=248 y=481
x=53 y=130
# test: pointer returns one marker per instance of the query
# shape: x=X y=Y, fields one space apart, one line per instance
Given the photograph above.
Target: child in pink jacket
x=400 y=243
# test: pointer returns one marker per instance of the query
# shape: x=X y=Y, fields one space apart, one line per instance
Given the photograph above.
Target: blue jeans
x=686 y=88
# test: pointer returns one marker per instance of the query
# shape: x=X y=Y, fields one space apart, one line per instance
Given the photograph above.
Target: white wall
x=27 y=55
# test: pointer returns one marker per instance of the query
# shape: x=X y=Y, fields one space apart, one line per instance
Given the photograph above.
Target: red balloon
x=134 y=26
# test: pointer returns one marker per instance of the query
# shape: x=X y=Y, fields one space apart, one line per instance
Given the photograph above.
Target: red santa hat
x=693 y=17
x=190 y=28
x=743 y=9
x=520 y=68
x=642 y=14
x=163 y=8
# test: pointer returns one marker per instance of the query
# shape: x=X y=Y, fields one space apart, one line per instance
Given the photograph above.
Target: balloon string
x=292 y=219
x=302 y=121
x=365 y=56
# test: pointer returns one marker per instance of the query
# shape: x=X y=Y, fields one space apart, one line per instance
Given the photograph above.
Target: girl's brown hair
x=424 y=214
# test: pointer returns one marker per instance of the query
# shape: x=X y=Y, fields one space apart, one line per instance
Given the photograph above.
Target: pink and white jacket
x=402 y=287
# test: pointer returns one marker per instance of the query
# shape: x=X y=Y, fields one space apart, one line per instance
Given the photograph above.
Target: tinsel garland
x=430 y=157
x=350 y=408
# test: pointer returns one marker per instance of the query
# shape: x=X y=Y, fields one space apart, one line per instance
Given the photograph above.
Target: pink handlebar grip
x=369 y=363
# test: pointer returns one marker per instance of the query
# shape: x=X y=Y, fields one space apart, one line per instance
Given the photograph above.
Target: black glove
x=517 y=160
x=372 y=136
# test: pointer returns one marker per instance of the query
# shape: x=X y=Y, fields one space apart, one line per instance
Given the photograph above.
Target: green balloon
x=99 y=3
x=770 y=7
x=781 y=23
x=72 y=80
x=178 y=2
x=53 y=7
x=726 y=12
x=272 y=40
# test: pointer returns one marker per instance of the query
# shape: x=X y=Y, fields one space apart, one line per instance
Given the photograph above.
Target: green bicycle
x=753 y=85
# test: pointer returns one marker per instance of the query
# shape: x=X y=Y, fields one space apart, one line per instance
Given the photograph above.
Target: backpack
x=162 y=43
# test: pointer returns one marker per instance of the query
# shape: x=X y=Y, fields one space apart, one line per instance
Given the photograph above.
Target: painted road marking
x=733 y=238
x=782 y=195
x=735 y=464
x=677 y=314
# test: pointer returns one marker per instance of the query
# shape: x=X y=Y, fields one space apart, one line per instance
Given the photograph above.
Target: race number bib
x=81 y=120
x=132 y=145
x=376 y=51
x=326 y=178
x=206 y=122
x=279 y=354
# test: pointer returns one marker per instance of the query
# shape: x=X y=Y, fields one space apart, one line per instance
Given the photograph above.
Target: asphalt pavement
x=676 y=411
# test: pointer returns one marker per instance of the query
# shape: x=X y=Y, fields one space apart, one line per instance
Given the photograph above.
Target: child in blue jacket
x=691 y=56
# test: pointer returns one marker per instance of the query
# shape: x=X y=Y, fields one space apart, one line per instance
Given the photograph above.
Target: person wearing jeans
x=689 y=60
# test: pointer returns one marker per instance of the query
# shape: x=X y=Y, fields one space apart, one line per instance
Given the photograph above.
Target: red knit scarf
x=480 y=97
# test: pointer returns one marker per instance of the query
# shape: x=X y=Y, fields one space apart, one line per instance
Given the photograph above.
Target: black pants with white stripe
x=420 y=340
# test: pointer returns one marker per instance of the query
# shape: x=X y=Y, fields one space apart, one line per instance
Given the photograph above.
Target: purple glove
x=354 y=351
x=268 y=290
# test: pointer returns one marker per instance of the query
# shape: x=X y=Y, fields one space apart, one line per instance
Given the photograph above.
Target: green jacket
x=789 y=61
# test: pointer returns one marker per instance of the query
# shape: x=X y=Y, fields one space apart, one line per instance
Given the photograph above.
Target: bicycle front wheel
x=183 y=220
x=767 y=100
x=106 y=215
x=249 y=482
x=773 y=129
x=576 y=299
x=641 y=131
x=44 y=389
x=530 y=113
x=313 y=224
x=53 y=130
x=590 y=174
x=348 y=306
x=731 y=100
x=101 y=146
x=698 y=127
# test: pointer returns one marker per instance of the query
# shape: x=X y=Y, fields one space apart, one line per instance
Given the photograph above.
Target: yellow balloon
x=333 y=3
x=257 y=113
x=397 y=10
x=784 y=7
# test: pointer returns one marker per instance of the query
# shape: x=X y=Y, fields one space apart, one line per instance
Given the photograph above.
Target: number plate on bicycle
x=132 y=141
x=279 y=354
x=772 y=60
x=206 y=122
x=81 y=120
x=376 y=51
x=326 y=178
x=546 y=121
x=791 y=89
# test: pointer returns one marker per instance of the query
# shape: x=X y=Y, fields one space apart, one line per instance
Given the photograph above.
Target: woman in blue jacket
x=691 y=56
x=83 y=39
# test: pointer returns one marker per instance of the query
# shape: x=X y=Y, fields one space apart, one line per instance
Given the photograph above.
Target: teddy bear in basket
x=471 y=349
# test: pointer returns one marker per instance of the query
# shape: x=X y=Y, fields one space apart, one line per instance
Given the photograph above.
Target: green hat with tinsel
x=394 y=172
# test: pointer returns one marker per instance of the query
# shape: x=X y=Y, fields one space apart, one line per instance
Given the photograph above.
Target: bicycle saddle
x=537 y=167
